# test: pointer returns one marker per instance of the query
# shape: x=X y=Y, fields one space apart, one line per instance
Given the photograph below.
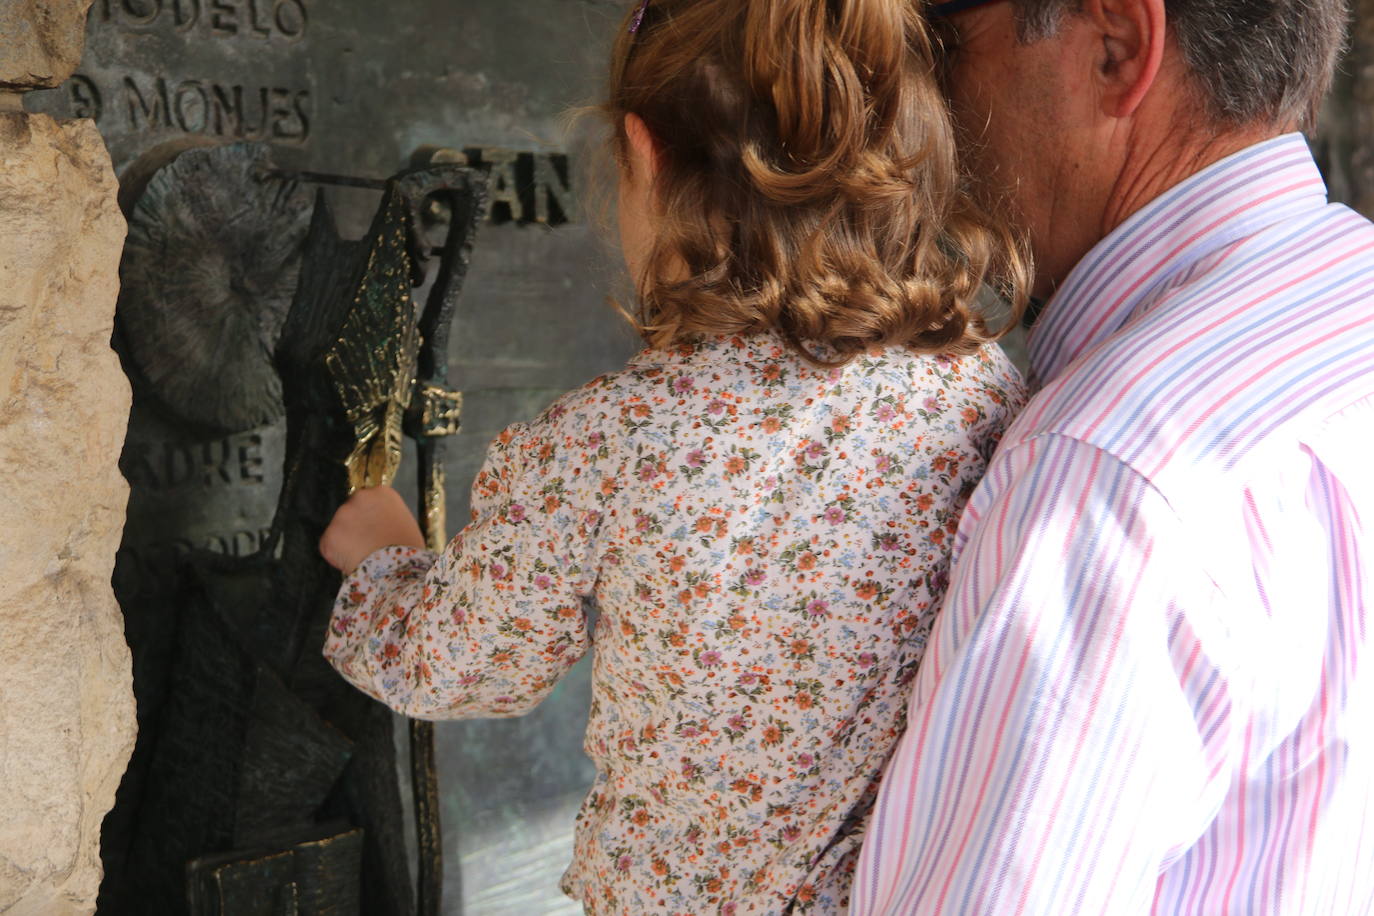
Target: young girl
x=762 y=502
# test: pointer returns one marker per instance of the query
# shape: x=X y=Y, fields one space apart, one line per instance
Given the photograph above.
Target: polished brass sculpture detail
x=440 y=415
x=375 y=382
x=440 y=410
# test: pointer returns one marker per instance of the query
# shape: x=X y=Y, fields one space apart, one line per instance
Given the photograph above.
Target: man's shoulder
x=1258 y=343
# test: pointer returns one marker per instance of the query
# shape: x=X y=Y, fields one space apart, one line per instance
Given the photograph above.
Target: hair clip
x=636 y=22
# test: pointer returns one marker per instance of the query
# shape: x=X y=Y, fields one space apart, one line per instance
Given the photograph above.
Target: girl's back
x=770 y=543
x=766 y=542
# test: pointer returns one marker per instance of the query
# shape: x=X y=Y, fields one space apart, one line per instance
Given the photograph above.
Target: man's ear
x=643 y=149
x=1133 y=38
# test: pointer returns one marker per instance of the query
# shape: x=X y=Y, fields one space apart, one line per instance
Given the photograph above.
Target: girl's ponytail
x=808 y=180
x=835 y=75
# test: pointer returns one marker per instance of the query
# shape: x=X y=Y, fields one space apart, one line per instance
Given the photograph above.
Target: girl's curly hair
x=807 y=180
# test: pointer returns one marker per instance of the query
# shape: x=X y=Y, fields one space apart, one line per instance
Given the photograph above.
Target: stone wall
x=66 y=706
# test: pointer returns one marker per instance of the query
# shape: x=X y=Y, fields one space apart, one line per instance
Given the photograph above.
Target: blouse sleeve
x=489 y=626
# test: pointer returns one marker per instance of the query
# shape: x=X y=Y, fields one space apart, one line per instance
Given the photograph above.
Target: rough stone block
x=66 y=701
x=40 y=42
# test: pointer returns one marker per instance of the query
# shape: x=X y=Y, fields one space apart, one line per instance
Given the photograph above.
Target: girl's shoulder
x=985 y=374
x=768 y=358
x=719 y=377
x=953 y=399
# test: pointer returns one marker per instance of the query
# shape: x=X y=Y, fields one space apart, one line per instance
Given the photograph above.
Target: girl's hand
x=370 y=520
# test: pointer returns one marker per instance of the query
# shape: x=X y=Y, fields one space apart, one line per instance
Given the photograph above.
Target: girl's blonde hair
x=807 y=179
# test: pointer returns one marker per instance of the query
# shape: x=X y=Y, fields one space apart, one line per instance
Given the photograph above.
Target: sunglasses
x=950 y=7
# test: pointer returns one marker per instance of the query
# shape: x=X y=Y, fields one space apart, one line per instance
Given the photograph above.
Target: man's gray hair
x=1252 y=61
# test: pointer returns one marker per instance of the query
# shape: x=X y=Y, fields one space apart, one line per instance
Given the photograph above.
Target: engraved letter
x=192 y=107
x=254 y=26
x=228 y=108
x=243 y=543
x=155 y=114
x=142 y=12
x=215 y=462
x=552 y=187
x=250 y=459
x=282 y=115
x=224 y=17
x=291 y=18
x=186 y=13
x=302 y=106
x=85 y=98
x=177 y=465
x=504 y=191
x=251 y=131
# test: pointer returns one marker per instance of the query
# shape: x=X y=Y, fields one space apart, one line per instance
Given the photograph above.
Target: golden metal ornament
x=436 y=512
x=372 y=364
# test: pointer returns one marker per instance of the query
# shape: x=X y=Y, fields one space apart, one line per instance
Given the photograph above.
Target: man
x=1150 y=689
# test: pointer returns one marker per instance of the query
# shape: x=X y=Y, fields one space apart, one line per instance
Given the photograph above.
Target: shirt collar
x=1128 y=270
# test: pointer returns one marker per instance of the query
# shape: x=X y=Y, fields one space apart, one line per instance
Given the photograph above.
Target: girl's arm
x=487 y=627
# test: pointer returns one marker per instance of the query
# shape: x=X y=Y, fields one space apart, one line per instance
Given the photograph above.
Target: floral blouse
x=766 y=542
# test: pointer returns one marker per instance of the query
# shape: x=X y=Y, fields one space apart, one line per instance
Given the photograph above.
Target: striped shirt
x=1145 y=692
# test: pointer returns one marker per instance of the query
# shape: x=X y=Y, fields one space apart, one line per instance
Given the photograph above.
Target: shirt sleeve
x=489 y=626
x=1071 y=729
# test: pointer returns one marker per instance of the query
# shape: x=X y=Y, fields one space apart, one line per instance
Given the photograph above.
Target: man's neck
x=1158 y=160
